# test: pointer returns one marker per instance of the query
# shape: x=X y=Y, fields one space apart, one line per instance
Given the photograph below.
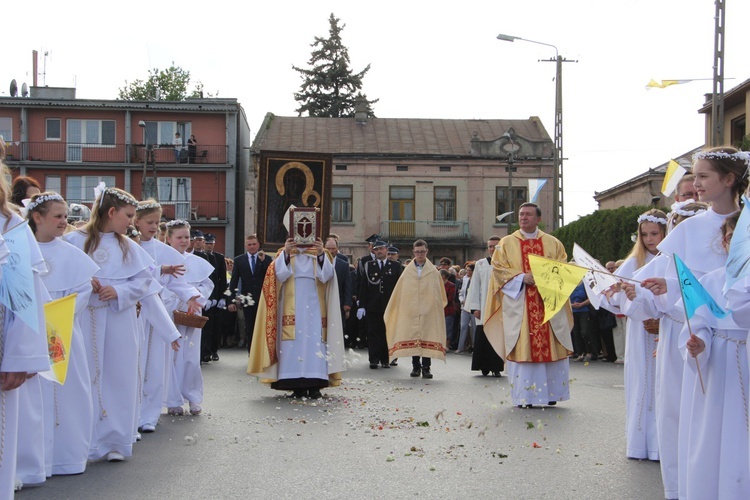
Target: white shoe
x=195 y=409
x=148 y=428
x=115 y=456
x=137 y=436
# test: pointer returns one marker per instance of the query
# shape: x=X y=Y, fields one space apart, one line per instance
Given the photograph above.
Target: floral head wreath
x=102 y=189
x=651 y=218
x=147 y=206
x=43 y=199
x=177 y=222
x=132 y=232
x=743 y=156
x=688 y=213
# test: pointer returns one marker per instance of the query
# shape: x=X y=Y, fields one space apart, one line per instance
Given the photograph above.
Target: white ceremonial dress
x=68 y=408
x=717 y=437
x=184 y=366
x=21 y=350
x=306 y=355
x=640 y=376
x=110 y=332
x=158 y=331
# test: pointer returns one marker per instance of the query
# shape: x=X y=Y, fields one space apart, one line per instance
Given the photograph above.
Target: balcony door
x=176 y=191
x=401 y=212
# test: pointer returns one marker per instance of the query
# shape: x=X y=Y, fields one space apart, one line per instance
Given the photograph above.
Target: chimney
x=360 y=110
x=34 y=63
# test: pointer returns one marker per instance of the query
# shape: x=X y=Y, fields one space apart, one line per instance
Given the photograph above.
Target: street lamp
x=557 y=180
x=511 y=148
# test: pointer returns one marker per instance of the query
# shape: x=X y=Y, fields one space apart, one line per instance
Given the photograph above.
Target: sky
x=429 y=59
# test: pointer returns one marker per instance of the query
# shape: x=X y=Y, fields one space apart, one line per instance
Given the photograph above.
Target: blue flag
x=738 y=260
x=693 y=293
x=17 y=286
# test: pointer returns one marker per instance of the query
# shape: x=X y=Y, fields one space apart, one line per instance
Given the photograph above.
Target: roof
x=732 y=97
x=393 y=136
x=211 y=105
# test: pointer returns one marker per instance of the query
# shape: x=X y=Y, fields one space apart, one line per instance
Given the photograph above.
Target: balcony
x=429 y=230
x=196 y=212
x=69 y=152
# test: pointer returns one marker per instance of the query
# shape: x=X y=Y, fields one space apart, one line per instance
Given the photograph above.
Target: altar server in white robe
x=185 y=380
x=640 y=366
x=110 y=324
x=669 y=360
x=68 y=410
x=159 y=337
x=720 y=179
x=717 y=442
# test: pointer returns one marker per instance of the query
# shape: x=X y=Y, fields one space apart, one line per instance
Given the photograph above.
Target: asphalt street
x=381 y=434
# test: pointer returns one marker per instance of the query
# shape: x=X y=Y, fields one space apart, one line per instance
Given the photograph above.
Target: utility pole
x=717 y=97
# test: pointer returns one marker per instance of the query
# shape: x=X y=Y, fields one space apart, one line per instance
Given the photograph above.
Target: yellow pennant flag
x=59 y=317
x=672 y=177
x=555 y=281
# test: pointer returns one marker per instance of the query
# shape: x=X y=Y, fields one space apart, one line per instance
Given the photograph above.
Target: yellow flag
x=672 y=177
x=555 y=281
x=59 y=317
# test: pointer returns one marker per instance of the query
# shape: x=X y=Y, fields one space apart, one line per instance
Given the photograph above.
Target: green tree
x=167 y=85
x=605 y=234
x=330 y=88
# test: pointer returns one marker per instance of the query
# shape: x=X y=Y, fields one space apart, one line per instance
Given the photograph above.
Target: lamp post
x=557 y=180
x=511 y=148
x=148 y=158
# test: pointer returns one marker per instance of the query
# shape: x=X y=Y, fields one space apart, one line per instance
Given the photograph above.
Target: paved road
x=381 y=434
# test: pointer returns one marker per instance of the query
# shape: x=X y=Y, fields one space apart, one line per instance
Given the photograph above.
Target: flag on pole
x=653 y=84
x=674 y=173
x=738 y=260
x=535 y=187
x=59 y=317
x=693 y=293
x=503 y=216
x=555 y=281
x=603 y=279
x=17 y=286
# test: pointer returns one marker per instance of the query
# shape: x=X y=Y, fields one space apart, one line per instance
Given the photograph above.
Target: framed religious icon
x=304 y=225
x=287 y=179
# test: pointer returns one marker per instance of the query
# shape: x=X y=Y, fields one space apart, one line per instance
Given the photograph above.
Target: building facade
x=69 y=145
x=444 y=181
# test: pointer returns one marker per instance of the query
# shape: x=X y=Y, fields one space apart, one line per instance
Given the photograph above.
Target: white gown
x=21 y=350
x=306 y=355
x=111 y=337
x=717 y=441
x=640 y=376
x=184 y=366
x=68 y=408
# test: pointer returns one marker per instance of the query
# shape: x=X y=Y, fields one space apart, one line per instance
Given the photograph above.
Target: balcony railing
x=71 y=152
x=197 y=212
x=430 y=230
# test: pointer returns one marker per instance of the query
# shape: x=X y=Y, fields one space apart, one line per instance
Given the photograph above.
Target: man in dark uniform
x=197 y=244
x=211 y=335
x=360 y=340
x=378 y=278
x=344 y=278
x=250 y=270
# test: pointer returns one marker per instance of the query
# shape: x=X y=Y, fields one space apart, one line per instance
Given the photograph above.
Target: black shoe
x=206 y=359
x=315 y=393
x=426 y=373
x=485 y=372
x=214 y=357
x=373 y=365
x=416 y=372
x=385 y=365
x=496 y=374
x=298 y=394
x=552 y=403
x=394 y=362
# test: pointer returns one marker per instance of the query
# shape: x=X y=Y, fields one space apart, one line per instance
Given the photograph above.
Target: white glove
x=222 y=304
x=360 y=313
x=209 y=304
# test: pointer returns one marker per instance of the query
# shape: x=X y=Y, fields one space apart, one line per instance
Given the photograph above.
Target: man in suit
x=377 y=280
x=211 y=336
x=343 y=276
x=361 y=324
x=249 y=271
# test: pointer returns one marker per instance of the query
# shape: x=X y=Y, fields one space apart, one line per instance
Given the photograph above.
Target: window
x=53 y=129
x=402 y=168
x=176 y=191
x=402 y=203
x=6 y=128
x=504 y=202
x=100 y=132
x=341 y=201
x=445 y=203
x=81 y=187
x=163 y=132
x=53 y=183
x=341 y=167
x=445 y=169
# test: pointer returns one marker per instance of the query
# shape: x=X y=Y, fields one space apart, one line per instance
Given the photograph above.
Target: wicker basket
x=191 y=320
x=651 y=326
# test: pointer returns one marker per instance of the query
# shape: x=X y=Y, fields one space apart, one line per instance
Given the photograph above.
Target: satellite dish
x=24 y=90
x=13 y=88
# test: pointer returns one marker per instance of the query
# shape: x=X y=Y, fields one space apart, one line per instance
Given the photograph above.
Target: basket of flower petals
x=190 y=320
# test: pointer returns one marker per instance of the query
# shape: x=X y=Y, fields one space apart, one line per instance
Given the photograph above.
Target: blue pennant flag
x=738 y=260
x=693 y=293
x=17 y=286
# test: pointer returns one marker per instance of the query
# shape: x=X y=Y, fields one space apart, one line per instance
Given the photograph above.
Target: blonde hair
x=146 y=208
x=110 y=198
x=42 y=208
x=174 y=225
x=639 y=250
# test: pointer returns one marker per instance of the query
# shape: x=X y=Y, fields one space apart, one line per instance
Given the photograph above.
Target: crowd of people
x=155 y=301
